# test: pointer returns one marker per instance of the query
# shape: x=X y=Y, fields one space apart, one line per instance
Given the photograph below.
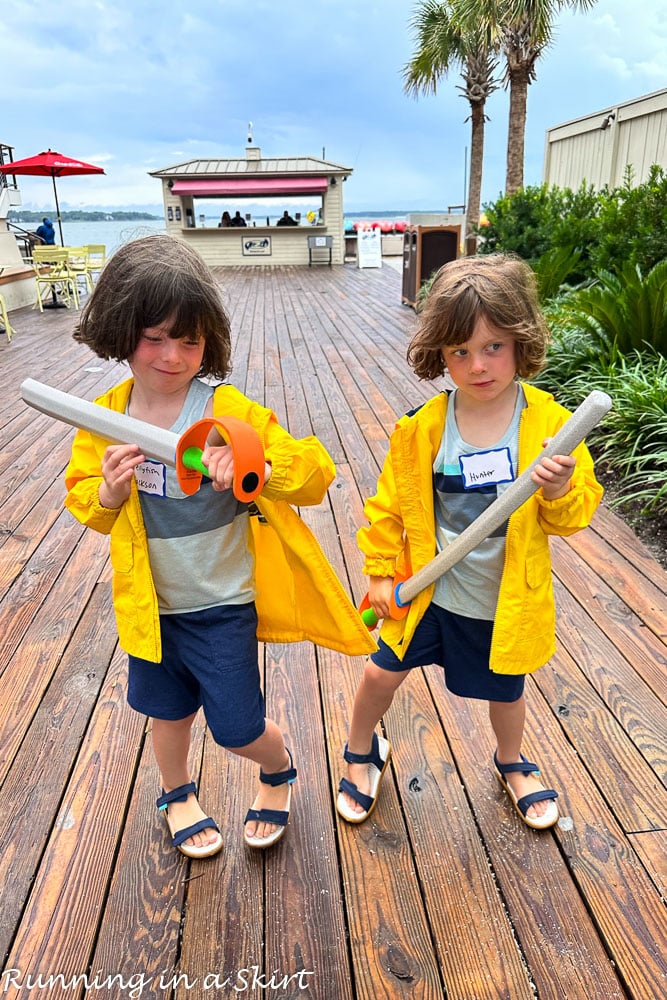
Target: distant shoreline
x=79 y=216
x=21 y=217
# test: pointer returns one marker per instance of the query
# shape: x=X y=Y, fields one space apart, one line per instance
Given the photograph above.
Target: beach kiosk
x=246 y=181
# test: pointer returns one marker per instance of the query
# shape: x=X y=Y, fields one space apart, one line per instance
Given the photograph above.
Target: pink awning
x=252 y=186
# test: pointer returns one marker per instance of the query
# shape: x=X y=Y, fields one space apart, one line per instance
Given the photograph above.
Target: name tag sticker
x=486 y=468
x=151 y=478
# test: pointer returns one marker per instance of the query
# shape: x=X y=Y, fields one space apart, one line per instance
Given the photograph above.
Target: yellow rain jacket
x=299 y=597
x=400 y=537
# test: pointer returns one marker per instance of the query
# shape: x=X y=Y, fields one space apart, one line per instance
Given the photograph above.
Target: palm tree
x=521 y=30
x=441 y=44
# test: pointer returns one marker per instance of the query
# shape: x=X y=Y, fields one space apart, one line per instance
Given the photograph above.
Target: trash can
x=425 y=249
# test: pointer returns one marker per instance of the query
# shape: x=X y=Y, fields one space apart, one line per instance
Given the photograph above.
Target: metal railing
x=25 y=238
x=6 y=156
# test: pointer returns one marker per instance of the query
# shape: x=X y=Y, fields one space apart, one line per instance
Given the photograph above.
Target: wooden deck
x=445 y=893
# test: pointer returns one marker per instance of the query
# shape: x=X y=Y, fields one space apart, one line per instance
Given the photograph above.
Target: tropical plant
x=553 y=269
x=441 y=44
x=521 y=30
x=624 y=312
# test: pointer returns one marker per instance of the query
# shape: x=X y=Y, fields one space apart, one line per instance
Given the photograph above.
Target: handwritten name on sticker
x=486 y=468
x=151 y=478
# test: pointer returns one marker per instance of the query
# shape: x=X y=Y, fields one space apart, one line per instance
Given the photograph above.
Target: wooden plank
x=651 y=847
x=42 y=633
x=33 y=786
x=307 y=351
x=597 y=855
x=559 y=940
x=474 y=938
x=20 y=539
x=635 y=590
x=58 y=927
x=223 y=932
x=389 y=930
x=628 y=782
x=140 y=927
x=612 y=529
x=625 y=628
x=303 y=891
x=390 y=935
x=621 y=684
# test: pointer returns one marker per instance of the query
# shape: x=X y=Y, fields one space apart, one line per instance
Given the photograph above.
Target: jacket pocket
x=122 y=558
x=538 y=571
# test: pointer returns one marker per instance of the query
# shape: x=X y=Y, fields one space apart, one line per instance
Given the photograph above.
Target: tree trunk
x=475 y=183
x=516 y=136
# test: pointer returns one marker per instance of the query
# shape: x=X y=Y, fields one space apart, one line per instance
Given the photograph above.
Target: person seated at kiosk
x=238 y=220
x=225 y=220
x=286 y=220
x=46 y=233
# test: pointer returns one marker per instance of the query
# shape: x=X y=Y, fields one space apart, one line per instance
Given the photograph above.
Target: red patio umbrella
x=51 y=164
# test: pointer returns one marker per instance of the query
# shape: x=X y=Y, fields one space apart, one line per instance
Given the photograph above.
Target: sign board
x=369 y=248
x=257 y=246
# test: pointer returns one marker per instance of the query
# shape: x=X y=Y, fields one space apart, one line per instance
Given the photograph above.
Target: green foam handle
x=369 y=618
x=191 y=459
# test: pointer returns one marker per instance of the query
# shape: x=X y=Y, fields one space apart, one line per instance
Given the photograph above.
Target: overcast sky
x=136 y=85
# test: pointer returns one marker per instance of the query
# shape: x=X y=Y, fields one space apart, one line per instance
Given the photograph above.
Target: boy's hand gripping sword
x=182 y=453
x=572 y=433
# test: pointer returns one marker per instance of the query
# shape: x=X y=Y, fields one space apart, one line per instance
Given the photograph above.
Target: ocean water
x=114 y=233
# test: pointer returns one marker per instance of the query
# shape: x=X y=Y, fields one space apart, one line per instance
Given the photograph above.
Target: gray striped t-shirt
x=198 y=545
x=470 y=588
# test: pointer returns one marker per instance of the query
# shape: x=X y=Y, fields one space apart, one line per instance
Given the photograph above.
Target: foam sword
x=589 y=413
x=182 y=453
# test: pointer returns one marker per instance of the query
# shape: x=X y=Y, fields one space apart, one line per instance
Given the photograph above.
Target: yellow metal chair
x=77 y=258
x=97 y=255
x=4 y=319
x=53 y=274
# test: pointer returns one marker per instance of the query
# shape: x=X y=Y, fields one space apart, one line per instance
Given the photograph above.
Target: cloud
x=136 y=85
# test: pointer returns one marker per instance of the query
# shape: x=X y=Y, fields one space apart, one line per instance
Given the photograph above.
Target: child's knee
x=383 y=680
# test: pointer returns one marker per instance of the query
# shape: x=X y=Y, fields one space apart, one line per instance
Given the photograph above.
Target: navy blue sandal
x=277 y=817
x=180 y=794
x=377 y=760
x=522 y=805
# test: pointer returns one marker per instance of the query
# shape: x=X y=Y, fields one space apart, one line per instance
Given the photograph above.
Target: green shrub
x=631 y=441
x=632 y=224
x=539 y=220
x=634 y=443
x=608 y=229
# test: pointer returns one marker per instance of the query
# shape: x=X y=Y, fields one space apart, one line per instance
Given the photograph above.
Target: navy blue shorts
x=462 y=647
x=209 y=660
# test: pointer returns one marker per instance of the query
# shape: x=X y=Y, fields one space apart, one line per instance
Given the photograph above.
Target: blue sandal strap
x=372 y=757
x=189 y=831
x=179 y=794
x=287 y=777
x=277 y=817
x=526 y=801
x=365 y=801
x=524 y=766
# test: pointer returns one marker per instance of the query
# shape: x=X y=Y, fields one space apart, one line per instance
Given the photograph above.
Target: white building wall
x=598 y=147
